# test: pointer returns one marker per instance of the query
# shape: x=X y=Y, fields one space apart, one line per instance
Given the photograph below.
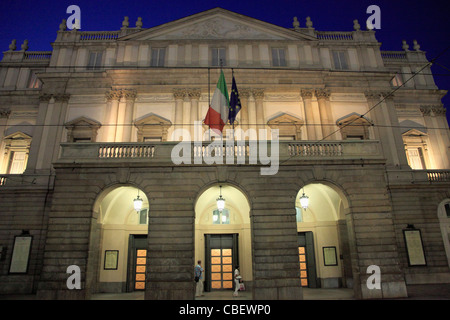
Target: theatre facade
x=108 y=117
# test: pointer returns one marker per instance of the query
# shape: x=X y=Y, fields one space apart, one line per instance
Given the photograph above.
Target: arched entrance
x=121 y=246
x=444 y=223
x=324 y=255
x=223 y=238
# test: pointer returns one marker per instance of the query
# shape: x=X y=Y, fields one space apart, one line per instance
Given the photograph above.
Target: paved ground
x=415 y=292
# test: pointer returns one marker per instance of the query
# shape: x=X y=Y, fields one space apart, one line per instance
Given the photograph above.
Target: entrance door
x=137 y=262
x=221 y=259
x=307 y=259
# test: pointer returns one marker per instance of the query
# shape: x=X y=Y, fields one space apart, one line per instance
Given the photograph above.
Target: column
x=258 y=94
x=195 y=95
x=51 y=134
x=178 y=123
x=323 y=99
x=389 y=134
x=112 y=108
x=4 y=115
x=434 y=117
x=309 y=121
x=130 y=97
x=120 y=118
x=35 y=147
x=252 y=123
x=244 y=94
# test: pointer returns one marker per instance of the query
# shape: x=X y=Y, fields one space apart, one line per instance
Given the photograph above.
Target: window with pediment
x=82 y=130
x=17 y=148
x=415 y=142
x=354 y=127
x=289 y=126
x=152 y=128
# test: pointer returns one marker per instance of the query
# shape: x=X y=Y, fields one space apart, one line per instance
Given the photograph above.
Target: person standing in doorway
x=198 y=274
x=237 y=278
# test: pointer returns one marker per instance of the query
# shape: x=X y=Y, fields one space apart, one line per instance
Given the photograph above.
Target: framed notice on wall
x=20 y=254
x=329 y=256
x=111 y=259
x=414 y=247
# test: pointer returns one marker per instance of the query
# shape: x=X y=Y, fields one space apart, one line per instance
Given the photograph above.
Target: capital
x=129 y=94
x=306 y=93
x=194 y=94
x=322 y=94
x=179 y=93
x=258 y=93
x=113 y=94
x=4 y=113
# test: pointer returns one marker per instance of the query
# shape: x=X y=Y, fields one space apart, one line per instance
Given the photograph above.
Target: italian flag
x=217 y=115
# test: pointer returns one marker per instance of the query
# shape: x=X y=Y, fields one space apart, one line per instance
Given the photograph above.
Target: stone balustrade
x=162 y=152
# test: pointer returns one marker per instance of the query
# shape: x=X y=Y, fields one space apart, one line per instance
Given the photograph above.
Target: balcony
x=218 y=153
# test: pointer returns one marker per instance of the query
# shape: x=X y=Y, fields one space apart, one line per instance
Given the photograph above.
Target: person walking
x=198 y=274
x=237 y=278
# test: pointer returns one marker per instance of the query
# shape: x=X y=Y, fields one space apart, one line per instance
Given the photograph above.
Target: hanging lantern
x=220 y=201
x=137 y=203
x=304 y=201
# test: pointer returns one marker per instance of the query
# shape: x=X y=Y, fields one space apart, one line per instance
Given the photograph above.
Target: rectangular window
x=221 y=217
x=95 y=60
x=158 y=57
x=34 y=82
x=17 y=162
x=218 y=57
x=143 y=216
x=397 y=80
x=415 y=157
x=340 y=60
x=278 y=57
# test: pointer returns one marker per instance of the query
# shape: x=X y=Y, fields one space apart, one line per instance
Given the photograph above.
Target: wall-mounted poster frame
x=414 y=246
x=111 y=260
x=21 y=254
x=329 y=256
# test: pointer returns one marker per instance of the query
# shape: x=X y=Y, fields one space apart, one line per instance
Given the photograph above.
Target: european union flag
x=235 y=103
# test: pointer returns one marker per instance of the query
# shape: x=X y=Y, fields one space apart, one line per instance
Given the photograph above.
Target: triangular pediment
x=218 y=24
x=153 y=119
x=285 y=118
x=414 y=133
x=354 y=119
x=82 y=122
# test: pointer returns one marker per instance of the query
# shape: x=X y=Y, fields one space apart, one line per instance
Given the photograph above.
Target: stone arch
x=114 y=223
x=444 y=224
x=236 y=225
x=324 y=228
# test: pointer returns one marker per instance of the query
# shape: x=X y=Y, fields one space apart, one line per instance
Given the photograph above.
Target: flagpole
x=209 y=97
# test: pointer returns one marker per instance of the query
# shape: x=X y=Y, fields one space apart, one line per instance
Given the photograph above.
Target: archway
x=121 y=242
x=324 y=253
x=223 y=239
x=444 y=223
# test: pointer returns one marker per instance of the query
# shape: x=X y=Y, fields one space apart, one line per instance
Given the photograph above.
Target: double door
x=221 y=254
x=307 y=260
x=137 y=263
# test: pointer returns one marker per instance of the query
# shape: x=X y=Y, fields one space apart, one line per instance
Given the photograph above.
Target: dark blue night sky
x=427 y=22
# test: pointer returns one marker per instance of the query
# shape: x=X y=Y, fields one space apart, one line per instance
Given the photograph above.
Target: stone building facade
x=96 y=122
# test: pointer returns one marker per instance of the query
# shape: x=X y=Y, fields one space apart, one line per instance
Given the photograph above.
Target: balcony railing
x=242 y=152
x=438 y=175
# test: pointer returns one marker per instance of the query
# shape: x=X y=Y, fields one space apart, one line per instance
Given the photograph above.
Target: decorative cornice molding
x=61 y=97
